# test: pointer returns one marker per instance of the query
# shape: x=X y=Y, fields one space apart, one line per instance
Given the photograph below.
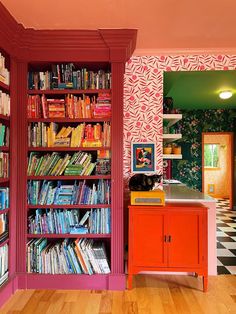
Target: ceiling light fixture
x=226 y=94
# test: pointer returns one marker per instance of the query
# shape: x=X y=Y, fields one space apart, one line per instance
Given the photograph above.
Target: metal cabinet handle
x=167 y=238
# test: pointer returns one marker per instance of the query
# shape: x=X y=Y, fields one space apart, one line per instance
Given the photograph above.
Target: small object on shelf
x=176 y=150
x=167 y=104
x=167 y=149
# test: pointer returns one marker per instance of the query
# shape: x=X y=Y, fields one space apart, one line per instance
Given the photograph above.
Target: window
x=211 y=155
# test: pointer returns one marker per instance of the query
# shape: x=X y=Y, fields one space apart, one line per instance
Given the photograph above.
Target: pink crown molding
x=114 y=45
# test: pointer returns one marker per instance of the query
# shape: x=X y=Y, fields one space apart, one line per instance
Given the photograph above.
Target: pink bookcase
x=37 y=49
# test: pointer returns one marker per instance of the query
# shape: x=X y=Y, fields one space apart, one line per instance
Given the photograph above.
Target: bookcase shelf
x=4 y=148
x=4 y=87
x=172 y=118
x=49 y=178
x=4 y=118
x=4 y=211
x=4 y=180
x=171 y=137
x=68 y=149
x=70 y=236
x=80 y=206
x=172 y=156
x=4 y=242
x=67 y=91
x=68 y=120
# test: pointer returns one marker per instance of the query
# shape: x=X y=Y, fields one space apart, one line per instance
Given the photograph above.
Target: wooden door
x=147 y=231
x=185 y=238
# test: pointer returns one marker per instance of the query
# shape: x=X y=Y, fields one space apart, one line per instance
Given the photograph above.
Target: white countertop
x=181 y=193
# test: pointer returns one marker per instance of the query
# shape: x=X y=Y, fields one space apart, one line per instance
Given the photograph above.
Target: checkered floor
x=226 y=238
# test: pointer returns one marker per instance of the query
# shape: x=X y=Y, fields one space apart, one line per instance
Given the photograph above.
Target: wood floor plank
x=106 y=303
x=18 y=301
x=151 y=294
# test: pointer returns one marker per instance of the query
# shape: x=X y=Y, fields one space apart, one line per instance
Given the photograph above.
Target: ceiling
x=163 y=25
x=200 y=90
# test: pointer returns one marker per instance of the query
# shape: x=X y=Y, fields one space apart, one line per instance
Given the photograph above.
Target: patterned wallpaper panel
x=143 y=95
x=193 y=123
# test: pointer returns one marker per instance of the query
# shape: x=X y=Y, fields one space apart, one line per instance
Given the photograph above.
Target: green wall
x=189 y=169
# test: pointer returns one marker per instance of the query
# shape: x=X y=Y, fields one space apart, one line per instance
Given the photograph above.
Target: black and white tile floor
x=226 y=238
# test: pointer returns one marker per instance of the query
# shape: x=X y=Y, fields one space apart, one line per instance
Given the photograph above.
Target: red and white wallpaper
x=143 y=94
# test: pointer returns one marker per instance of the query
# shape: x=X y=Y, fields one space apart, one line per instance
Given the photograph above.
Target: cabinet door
x=147 y=236
x=185 y=246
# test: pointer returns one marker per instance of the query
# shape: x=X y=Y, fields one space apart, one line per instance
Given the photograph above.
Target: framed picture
x=142 y=157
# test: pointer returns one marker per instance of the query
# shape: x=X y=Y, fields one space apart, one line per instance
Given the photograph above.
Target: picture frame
x=143 y=157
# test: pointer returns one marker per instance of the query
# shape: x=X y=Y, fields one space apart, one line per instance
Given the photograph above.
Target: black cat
x=143 y=182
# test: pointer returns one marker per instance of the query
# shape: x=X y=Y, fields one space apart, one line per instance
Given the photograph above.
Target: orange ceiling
x=163 y=25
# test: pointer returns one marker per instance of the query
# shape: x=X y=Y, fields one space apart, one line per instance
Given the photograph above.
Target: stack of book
x=3 y=263
x=3 y=223
x=34 y=106
x=4 y=165
x=55 y=164
x=62 y=221
x=79 y=107
x=80 y=164
x=103 y=163
x=102 y=108
x=56 y=108
x=97 y=135
x=50 y=192
x=4 y=104
x=4 y=198
x=67 y=257
x=4 y=135
x=4 y=73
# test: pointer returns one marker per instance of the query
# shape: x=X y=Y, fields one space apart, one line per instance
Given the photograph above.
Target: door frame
x=231 y=161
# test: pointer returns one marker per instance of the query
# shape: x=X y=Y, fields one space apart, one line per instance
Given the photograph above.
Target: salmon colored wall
x=219 y=177
x=162 y=25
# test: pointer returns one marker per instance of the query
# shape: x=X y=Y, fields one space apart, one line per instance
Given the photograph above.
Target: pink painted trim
x=81 y=282
x=3 y=211
x=6 y=290
x=5 y=242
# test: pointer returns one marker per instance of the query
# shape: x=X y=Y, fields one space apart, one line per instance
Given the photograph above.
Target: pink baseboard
x=7 y=290
x=72 y=282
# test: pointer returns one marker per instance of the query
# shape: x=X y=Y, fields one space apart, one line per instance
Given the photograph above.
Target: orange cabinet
x=168 y=238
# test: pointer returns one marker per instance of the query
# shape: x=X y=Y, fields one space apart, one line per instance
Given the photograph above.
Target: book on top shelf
x=65 y=76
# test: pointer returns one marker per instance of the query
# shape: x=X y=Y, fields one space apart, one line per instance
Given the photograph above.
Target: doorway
x=217 y=165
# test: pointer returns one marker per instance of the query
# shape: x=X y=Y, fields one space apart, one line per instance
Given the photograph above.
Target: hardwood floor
x=151 y=294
